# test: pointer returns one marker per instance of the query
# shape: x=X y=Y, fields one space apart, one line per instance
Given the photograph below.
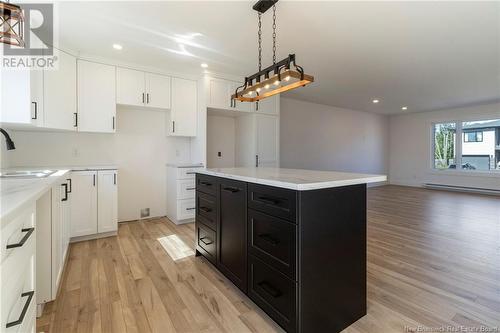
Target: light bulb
x=287 y=78
x=277 y=82
x=266 y=86
x=258 y=89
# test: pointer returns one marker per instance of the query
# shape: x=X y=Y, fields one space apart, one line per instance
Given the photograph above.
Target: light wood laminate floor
x=433 y=261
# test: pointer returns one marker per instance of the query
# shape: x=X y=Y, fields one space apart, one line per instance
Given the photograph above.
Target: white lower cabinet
x=180 y=193
x=18 y=269
x=53 y=221
x=107 y=201
x=94 y=203
x=84 y=207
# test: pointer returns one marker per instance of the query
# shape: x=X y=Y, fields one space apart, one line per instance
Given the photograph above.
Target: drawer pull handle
x=190 y=188
x=206 y=183
x=268 y=200
x=269 y=289
x=206 y=209
x=269 y=239
x=231 y=189
x=206 y=243
x=190 y=173
x=190 y=208
x=28 y=232
x=25 y=309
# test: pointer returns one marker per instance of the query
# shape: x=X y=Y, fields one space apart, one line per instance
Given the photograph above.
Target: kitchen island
x=294 y=241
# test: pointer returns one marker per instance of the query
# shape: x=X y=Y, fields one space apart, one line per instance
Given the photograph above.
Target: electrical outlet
x=75 y=152
x=219 y=154
x=144 y=213
x=177 y=153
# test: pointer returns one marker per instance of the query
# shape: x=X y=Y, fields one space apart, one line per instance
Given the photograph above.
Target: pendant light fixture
x=11 y=24
x=281 y=76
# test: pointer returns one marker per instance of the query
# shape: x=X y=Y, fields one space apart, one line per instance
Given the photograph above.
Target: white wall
x=140 y=149
x=410 y=148
x=321 y=137
x=221 y=137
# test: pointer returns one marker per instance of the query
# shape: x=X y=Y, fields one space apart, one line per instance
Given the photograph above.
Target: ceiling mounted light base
x=275 y=79
x=11 y=24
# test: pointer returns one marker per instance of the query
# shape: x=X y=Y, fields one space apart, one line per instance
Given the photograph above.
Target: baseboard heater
x=462 y=189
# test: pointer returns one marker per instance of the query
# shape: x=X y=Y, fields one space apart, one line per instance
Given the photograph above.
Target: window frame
x=476 y=133
x=458 y=148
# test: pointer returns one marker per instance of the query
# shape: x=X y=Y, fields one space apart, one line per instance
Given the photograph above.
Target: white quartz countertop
x=185 y=165
x=294 y=179
x=16 y=194
x=66 y=167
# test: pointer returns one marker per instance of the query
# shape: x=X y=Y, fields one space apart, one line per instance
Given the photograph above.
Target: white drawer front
x=186 y=173
x=185 y=189
x=17 y=293
x=17 y=230
x=185 y=209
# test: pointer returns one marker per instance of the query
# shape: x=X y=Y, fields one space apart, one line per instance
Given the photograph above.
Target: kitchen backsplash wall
x=139 y=148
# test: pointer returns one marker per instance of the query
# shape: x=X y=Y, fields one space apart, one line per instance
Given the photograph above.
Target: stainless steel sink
x=26 y=174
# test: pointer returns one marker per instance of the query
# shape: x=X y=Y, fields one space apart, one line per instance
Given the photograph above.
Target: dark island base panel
x=299 y=255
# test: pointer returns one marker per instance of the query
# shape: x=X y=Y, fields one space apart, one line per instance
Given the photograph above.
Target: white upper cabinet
x=269 y=105
x=21 y=97
x=138 y=88
x=219 y=95
x=158 y=91
x=96 y=97
x=183 y=114
x=107 y=201
x=130 y=86
x=59 y=94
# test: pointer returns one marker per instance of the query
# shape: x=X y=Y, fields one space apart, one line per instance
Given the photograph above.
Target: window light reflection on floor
x=175 y=247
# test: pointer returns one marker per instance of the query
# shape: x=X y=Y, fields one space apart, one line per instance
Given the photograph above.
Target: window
x=444 y=145
x=473 y=136
x=479 y=150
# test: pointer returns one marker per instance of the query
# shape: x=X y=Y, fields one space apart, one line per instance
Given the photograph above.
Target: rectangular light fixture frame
x=278 y=71
x=11 y=24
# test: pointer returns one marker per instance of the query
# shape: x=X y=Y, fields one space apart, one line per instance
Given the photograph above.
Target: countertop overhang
x=294 y=179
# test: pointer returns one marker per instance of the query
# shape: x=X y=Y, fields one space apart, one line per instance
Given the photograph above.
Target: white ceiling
x=424 y=55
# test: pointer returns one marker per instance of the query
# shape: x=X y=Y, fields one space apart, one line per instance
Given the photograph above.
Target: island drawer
x=206 y=209
x=275 y=201
x=273 y=292
x=273 y=240
x=206 y=242
x=206 y=184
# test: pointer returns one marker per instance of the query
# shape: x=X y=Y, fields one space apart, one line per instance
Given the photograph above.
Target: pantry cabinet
x=182 y=120
x=96 y=97
x=94 y=203
x=137 y=88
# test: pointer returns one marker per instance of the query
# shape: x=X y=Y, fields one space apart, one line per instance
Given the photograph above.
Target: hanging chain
x=274 y=34
x=260 y=42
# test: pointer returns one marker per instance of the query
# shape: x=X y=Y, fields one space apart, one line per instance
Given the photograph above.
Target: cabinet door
x=21 y=94
x=59 y=94
x=107 y=194
x=83 y=203
x=184 y=108
x=131 y=87
x=269 y=105
x=96 y=97
x=219 y=94
x=232 y=231
x=158 y=91
x=267 y=136
x=58 y=219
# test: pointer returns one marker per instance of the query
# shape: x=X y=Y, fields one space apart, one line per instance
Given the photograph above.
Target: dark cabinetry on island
x=299 y=255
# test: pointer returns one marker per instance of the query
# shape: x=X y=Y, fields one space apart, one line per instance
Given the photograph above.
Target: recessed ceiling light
x=117 y=46
x=404 y=108
x=375 y=101
x=204 y=65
